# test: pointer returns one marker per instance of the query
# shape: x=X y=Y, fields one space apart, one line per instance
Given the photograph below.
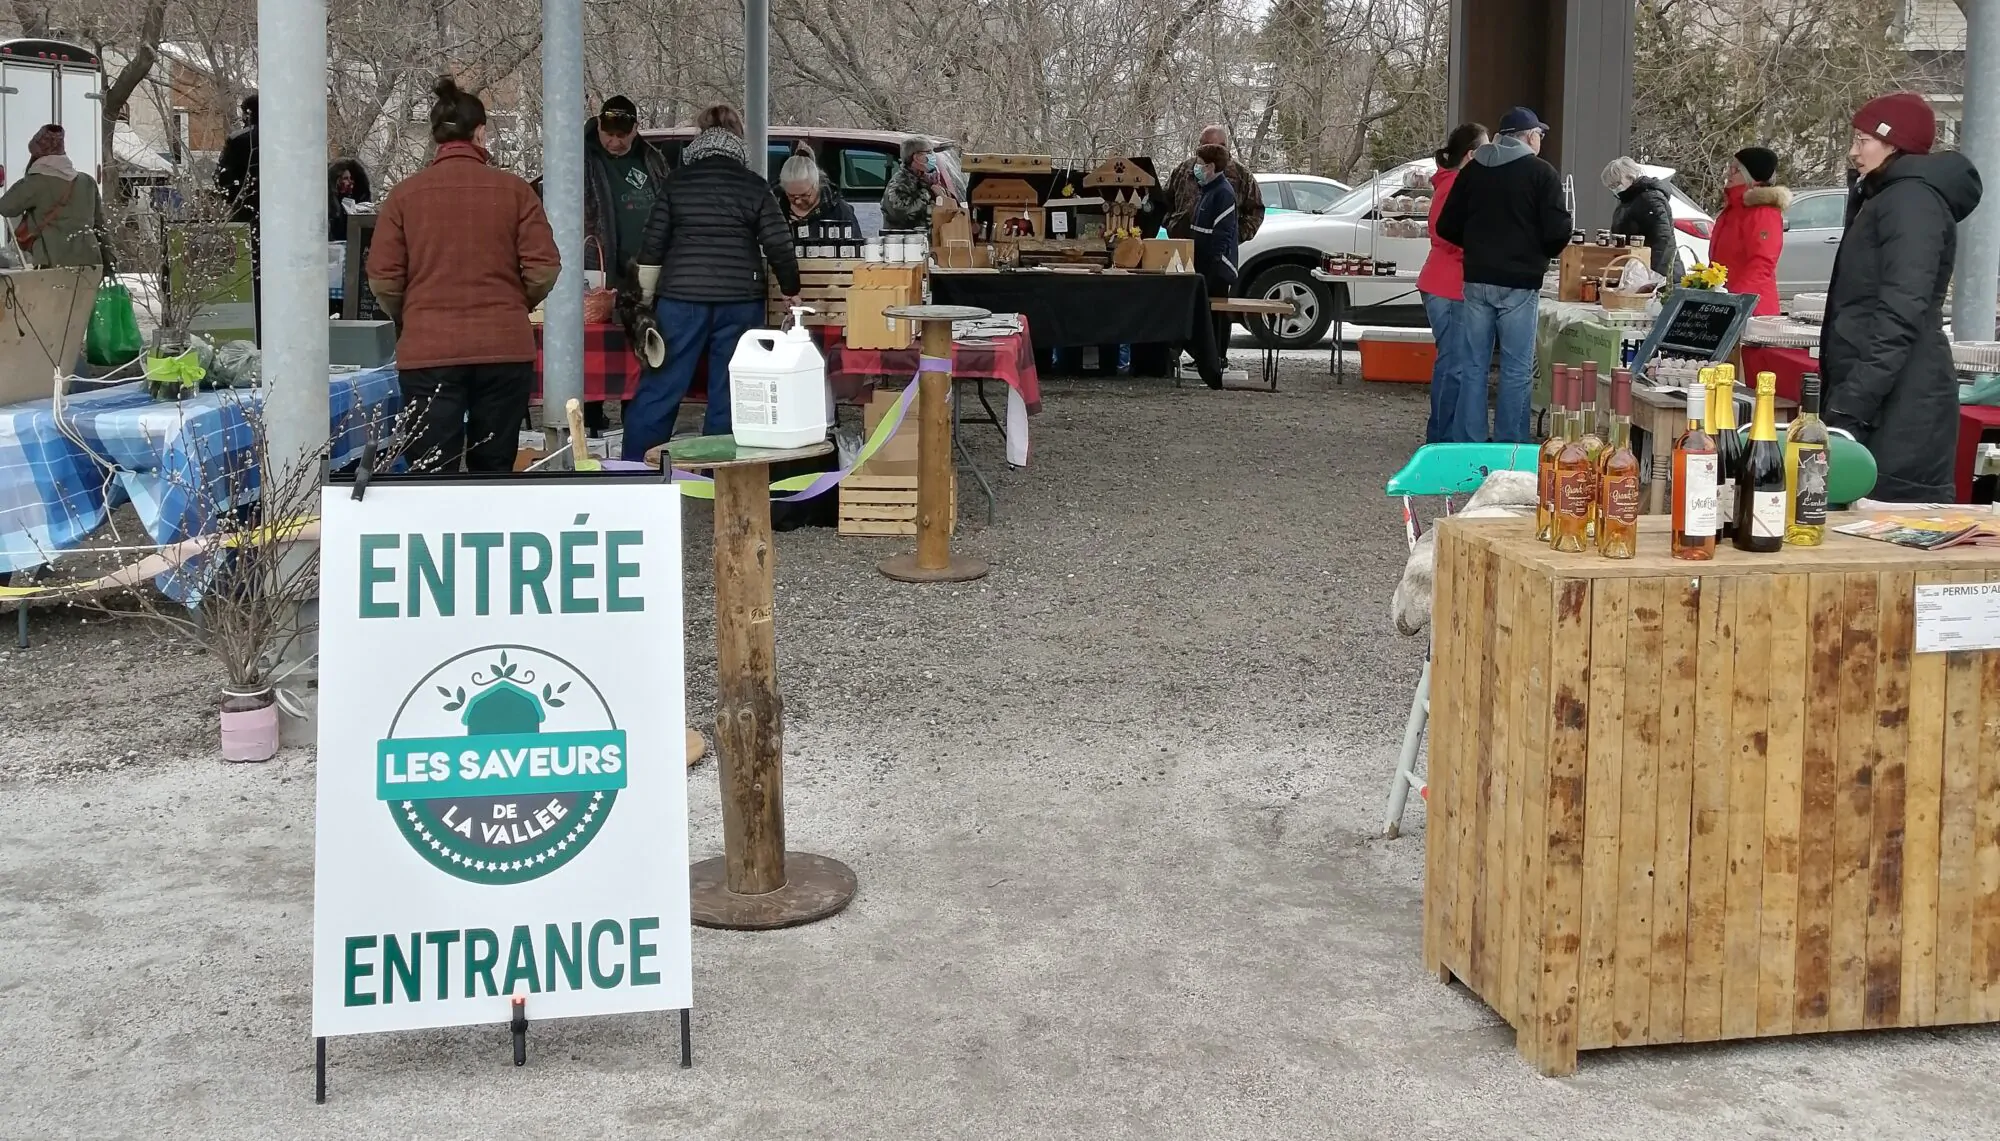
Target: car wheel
x=1312 y=308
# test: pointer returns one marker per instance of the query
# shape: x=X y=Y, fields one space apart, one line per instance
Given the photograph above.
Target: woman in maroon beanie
x=1889 y=375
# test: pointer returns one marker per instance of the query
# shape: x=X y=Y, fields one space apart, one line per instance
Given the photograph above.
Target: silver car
x=1813 y=227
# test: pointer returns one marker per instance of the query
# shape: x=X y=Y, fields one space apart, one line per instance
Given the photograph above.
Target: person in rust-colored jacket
x=462 y=254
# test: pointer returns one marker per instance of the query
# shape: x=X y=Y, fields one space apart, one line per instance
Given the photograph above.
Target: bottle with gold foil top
x=1729 y=447
x=1545 y=459
x=1760 y=479
x=1576 y=482
x=1618 y=478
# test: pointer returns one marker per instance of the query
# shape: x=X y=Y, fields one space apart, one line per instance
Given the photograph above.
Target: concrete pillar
x=563 y=117
x=1979 y=138
x=291 y=174
x=757 y=82
x=1570 y=60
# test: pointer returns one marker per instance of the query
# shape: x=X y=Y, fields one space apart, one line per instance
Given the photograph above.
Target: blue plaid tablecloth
x=175 y=461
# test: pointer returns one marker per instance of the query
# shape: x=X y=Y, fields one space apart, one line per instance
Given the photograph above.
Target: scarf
x=55 y=166
x=712 y=142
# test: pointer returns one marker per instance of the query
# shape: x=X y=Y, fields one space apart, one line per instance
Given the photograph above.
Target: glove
x=649 y=282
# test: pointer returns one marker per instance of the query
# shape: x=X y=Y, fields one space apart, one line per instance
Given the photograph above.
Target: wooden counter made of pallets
x=1683 y=802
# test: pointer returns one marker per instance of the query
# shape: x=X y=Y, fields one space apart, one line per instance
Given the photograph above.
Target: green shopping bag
x=113 y=337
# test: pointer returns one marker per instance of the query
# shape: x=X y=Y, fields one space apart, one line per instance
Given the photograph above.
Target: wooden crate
x=879 y=287
x=824 y=285
x=1579 y=262
x=883 y=504
x=1683 y=802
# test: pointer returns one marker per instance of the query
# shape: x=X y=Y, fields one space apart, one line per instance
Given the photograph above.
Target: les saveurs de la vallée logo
x=501 y=764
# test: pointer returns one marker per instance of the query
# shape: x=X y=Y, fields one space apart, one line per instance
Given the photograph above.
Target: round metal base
x=697 y=747
x=904 y=568
x=816 y=887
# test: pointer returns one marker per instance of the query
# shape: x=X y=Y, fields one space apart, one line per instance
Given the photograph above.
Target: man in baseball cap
x=1507 y=212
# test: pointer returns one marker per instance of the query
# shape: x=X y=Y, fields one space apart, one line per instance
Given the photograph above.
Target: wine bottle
x=1694 y=514
x=1760 y=477
x=1807 y=470
x=1545 y=460
x=1593 y=432
x=1576 y=480
x=1729 y=448
x=1618 y=478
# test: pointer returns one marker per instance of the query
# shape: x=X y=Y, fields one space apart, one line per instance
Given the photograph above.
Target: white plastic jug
x=778 y=395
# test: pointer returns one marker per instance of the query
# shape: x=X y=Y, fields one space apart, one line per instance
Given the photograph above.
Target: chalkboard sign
x=357 y=301
x=1697 y=323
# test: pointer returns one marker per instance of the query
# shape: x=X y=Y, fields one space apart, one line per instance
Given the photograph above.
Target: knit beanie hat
x=1760 y=163
x=47 y=141
x=1903 y=120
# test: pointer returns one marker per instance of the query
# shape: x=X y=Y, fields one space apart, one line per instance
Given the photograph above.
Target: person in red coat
x=1750 y=232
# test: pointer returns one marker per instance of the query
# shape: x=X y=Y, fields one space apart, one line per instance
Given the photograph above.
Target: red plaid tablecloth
x=610 y=371
x=856 y=372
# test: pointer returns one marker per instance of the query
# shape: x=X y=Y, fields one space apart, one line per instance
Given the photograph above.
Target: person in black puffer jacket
x=1889 y=374
x=808 y=195
x=1645 y=211
x=703 y=253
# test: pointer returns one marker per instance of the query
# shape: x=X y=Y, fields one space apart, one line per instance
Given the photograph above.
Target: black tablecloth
x=1077 y=309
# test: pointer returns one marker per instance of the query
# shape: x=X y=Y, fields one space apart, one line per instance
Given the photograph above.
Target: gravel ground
x=1113 y=810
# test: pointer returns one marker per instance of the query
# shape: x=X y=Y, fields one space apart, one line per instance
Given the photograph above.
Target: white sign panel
x=1959 y=616
x=502 y=771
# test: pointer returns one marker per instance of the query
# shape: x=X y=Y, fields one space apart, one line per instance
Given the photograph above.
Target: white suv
x=1277 y=264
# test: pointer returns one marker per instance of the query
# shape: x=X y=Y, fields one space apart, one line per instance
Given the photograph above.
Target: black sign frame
x=1665 y=337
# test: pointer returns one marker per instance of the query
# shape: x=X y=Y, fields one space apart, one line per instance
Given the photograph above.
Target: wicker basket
x=1612 y=298
x=598 y=304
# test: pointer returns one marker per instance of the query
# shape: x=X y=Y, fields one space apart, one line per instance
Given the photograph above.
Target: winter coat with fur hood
x=1749 y=236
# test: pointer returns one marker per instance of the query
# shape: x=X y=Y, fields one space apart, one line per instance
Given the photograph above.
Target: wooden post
x=937 y=502
x=749 y=715
x=755 y=884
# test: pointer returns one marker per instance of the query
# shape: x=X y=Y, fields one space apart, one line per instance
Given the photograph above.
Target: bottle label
x=1621 y=499
x=1698 y=506
x=1573 y=495
x=1767 y=515
x=1725 y=502
x=1813 y=474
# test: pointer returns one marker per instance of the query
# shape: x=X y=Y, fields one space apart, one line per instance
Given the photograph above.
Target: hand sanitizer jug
x=778 y=395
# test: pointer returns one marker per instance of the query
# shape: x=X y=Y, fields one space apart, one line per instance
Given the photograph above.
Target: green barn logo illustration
x=501 y=765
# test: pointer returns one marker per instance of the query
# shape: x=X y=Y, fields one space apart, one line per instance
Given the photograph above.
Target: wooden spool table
x=937 y=504
x=755 y=884
x=1683 y=802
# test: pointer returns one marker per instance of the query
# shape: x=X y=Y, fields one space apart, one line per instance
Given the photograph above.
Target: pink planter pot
x=249 y=727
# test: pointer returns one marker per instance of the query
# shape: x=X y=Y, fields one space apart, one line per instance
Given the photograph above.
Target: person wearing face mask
x=1645 y=211
x=1749 y=234
x=906 y=201
x=1886 y=361
x=462 y=254
x=1214 y=230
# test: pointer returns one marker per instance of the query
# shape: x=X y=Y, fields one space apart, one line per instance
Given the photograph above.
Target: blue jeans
x=1511 y=315
x=689 y=328
x=1448 y=333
